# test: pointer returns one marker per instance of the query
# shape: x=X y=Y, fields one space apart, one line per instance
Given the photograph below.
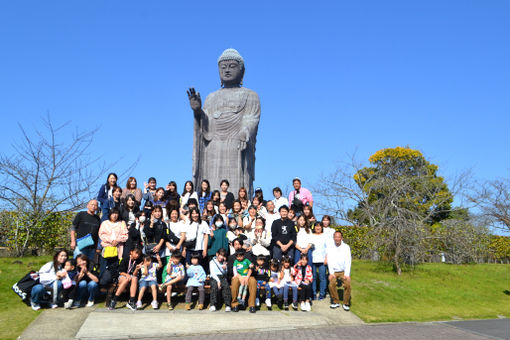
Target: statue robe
x=224 y=139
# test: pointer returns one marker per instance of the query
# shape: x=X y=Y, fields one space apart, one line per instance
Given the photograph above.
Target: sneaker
x=285 y=306
x=35 y=306
x=294 y=305
x=228 y=309
x=54 y=306
x=68 y=304
x=187 y=307
x=138 y=304
x=131 y=305
x=253 y=310
x=174 y=294
x=303 y=306
x=154 y=304
x=334 y=305
x=257 y=302
x=200 y=307
x=112 y=304
x=346 y=308
x=236 y=309
x=90 y=304
x=268 y=303
x=308 y=307
x=162 y=288
x=212 y=309
x=170 y=307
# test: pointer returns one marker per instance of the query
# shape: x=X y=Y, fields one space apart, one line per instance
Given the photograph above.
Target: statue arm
x=251 y=118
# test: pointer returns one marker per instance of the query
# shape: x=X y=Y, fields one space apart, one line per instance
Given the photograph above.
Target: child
x=175 y=274
x=149 y=279
x=303 y=277
x=218 y=268
x=275 y=281
x=262 y=277
x=196 y=279
x=128 y=275
x=242 y=270
x=288 y=281
x=69 y=283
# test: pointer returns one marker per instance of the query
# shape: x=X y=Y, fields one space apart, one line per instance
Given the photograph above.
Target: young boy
x=303 y=277
x=69 y=284
x=218 y=268
x=262 y=277
x=149 y=279
x=242 y=269
x=128 y=275
x=175 y=274
x=196 y=279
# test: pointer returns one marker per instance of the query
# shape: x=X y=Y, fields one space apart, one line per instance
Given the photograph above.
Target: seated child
x=196 y=279
x=275 y=282
x=175 y=274
x=303 y=277
x=128 y=275
x=218 y=268
x=288 y=280
x=69 y=283
x=262 y=277
x=149 y=278
x=242 y=270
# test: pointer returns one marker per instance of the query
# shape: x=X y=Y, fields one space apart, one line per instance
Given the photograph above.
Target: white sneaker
x=35 y=306
x=334 y=305
x=257 y=302
x=268 y=303
x=308 y=307
x=212 y=309
x=174 y=294
x=90 y=303
x=138 y=304
x=303 y=306
x=154 y=304
x=54 y=306
x=346 y=308
x=228 y=309
x=68 y=304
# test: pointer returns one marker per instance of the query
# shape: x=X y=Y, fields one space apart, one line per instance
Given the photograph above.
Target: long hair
x=110 y=174
x=129 y=181
x=307 y=224
x=192 y=188
x=207 y=191
x=55 y=258
x=195 y=209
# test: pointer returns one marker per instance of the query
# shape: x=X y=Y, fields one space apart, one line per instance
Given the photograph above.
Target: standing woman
x=129 y=214
x=171 y=193
x=236 y=213
x=113 y=233
x=87 y=281
x=149 y=190
x=304 y=240
x=105 y=192
x=216 y=199
x=50 y=276
x=326 y=227
x=112 y=202
x=155 y=232
x=308 y=213
x=188 y=193
x=226 y=196
x=197 y=236
x=204 y=195
x=159 y=200
x=320 y=242
x=242 y=196
x=131 y=188
x=176 y=228
x=209 y=212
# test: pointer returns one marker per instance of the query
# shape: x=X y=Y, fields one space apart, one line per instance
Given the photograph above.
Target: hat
x=258 y=189
x=296 y=179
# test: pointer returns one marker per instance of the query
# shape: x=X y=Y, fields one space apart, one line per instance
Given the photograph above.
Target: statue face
x=231 y=72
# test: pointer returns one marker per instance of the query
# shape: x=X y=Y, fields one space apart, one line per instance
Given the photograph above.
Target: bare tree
x=493 y=199
x=47 y=174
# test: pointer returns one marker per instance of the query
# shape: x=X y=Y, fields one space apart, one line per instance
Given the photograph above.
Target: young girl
x=188 y=193
x=288 y=283
x=303 y=277
x=175 y=274
x=128 y=276
x=304 y=241
x=196 y=279
x=204 y=195
x=149 y=279
x=275 y=282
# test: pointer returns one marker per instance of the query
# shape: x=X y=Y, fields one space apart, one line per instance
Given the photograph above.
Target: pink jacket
x=298 y=274
x=304 y=194
x=113 y=231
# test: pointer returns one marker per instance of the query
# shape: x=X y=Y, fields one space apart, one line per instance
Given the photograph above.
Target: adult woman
x=260 y=239
x=132 y=189
x=112 y=202
x=159 y=200
x=215 y=198
x=326 y=227
x=129 y=214
x=129 y=209
x=171 y=192
x=218 y=236
x=176 y=228
x=236 y=213
x=113 y=233
x=257 y=203
x=155 y=232
x=204 y=195
x=249 y=221
x=87 y=280
x=188 y=193
x=308 y=213
x=226 y=196
x=50 y=276
x=105 y=192
x=223 y=211
x=149 y=190
x=303 y=240
x=209 y=212
x=320 y=241
x=242 y=196
x=197 y=239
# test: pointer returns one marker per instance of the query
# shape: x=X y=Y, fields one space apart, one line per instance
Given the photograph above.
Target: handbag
x=110 y=251
x=23 y=288
x=85 y=241
x=191 y=244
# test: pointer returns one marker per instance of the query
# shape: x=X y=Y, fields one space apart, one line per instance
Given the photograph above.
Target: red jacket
x=298 y=274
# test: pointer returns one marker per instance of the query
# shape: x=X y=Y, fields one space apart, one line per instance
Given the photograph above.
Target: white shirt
x=278 y=202
x=303 y=238
x=339 y=258
x=187 y=196
x=195 y=231
x=270 y=218
x=320 y=243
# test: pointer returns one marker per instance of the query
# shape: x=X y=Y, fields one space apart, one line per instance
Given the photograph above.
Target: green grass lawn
x=15 y=316
x=434 y=291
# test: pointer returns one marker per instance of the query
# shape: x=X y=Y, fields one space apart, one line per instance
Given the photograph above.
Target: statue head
x=231 y=68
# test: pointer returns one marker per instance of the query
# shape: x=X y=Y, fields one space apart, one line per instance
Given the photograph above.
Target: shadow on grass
x=506 y=291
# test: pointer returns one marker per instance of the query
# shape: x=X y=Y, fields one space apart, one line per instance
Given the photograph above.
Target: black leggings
x=305 y=293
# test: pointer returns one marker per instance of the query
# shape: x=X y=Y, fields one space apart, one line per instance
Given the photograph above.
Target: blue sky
x=334 y=78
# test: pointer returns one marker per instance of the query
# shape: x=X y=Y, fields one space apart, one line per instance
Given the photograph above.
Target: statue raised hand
x=194 y=99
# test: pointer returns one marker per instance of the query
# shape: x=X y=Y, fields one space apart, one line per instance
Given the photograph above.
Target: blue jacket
x=196 y=276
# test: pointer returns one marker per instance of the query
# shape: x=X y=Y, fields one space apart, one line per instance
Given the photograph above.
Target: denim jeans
x=286 y=287
x=319 y=274
x=277 y=253
x=38 y=291
x=297 y=256
x=87 y=289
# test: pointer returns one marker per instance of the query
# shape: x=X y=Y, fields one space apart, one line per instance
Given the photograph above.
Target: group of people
x=245 y=250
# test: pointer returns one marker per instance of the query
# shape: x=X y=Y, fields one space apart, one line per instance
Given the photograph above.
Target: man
x=84 y=224
x=270 y=215
x=234 y=287
x=283 y=233
x=338 y=259
x=299 y=197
